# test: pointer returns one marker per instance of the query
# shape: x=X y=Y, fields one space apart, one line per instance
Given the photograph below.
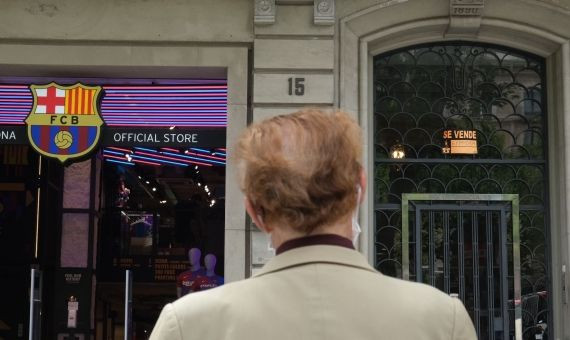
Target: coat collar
x=316 y=254
x=313 y=240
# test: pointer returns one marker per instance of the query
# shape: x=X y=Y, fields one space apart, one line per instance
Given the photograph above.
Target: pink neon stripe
x=195 y=115
x=165 y=95
x=166 y=124
x=163 y=107
x=188 y=87
x=120 y=149
x=161 y=113
x=169 y=149
x=159 y=156
x=19 y=94
x=160 y=124
x=169 y=122
x=151 y=123
x=145 y=162
x=12 y=107
x=13 y=87
x=16 y=100
x=204 y=156
x=141 y=101
x=164 y=115
x=178 y=117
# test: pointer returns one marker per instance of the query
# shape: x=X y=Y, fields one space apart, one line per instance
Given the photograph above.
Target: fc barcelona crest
x=64 y=122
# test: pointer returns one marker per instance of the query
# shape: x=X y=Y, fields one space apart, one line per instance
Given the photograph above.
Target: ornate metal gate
x=418 y=93
x=468 y=245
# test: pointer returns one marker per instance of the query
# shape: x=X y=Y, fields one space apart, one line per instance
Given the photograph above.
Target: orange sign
x=459 y=142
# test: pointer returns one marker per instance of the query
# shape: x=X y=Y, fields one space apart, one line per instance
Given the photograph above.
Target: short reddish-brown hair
x=301 y=170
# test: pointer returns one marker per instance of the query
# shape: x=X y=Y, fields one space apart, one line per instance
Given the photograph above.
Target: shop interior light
x=119 y=149
x=167 y=156
x=153 y=189
x=118 y=162
x=201 y=150
x=111 y=152
x=160 y=160
x=195 y=160
x=117 y=159
x=145 y=162
x=208 y=158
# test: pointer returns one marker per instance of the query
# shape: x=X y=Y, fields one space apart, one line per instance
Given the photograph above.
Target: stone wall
x=127 y=20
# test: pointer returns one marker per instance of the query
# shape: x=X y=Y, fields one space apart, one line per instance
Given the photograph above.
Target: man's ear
x=362 y=183
x=255 y=215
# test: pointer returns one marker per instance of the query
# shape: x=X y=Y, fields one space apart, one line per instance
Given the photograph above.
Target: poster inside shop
x=73 y=298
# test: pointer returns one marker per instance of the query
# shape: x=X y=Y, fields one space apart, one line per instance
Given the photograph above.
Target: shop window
x=156 y=212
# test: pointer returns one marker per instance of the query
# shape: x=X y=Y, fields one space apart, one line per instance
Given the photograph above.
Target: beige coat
x=316 y=292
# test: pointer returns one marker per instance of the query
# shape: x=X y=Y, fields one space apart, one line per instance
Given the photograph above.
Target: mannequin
x=210 y=279
x=187 y=278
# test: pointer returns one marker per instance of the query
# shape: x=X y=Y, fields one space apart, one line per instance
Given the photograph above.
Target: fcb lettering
x=65 y=122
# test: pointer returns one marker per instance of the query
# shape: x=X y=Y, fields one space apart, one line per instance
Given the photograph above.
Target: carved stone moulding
x=264 y=12
x=465 y=17
x=324 y=12
x=467 y=7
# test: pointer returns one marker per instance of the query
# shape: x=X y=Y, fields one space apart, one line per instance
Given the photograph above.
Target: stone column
x=293 y=67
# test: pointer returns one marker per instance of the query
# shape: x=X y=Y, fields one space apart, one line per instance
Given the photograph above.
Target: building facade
x=463 y=104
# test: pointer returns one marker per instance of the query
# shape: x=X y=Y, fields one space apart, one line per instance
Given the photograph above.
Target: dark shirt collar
x=312 y=240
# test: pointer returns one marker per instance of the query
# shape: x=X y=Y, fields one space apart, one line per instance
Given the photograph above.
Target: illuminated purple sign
x=180 y=105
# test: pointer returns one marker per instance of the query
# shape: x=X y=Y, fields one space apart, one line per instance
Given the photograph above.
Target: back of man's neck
x=282 y=235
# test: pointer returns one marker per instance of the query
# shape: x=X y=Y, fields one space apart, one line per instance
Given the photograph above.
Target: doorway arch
x=535 y=28
x=469 y=121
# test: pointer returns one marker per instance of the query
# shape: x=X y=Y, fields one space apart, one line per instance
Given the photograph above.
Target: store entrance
x=163 y=219
x=27 y=240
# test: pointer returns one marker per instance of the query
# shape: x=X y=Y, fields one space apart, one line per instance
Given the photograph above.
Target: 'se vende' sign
x=459 y=142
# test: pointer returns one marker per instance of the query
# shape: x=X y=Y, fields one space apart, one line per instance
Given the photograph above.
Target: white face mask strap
x=355 y=225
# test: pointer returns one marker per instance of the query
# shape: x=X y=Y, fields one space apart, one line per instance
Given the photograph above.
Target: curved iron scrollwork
x=420 y=92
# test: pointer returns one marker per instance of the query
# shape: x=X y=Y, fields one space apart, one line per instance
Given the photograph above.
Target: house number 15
x=296 y=86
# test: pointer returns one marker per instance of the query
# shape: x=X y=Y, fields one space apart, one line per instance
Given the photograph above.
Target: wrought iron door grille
x=421 y=91
x=468 y=245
